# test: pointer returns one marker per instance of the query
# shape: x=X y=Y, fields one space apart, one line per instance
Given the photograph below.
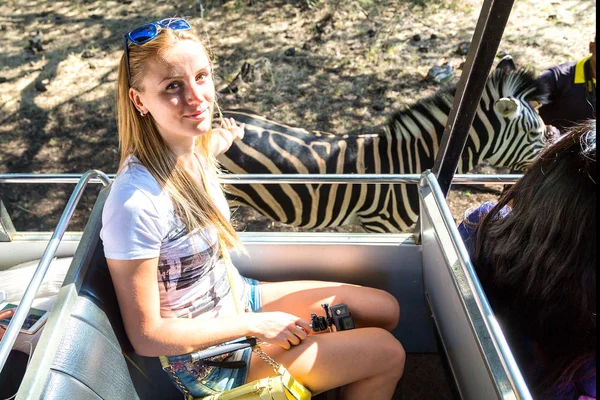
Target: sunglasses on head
x=145 y=33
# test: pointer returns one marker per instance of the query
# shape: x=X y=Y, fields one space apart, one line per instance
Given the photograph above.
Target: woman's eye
x=173 y=85
x=201 y=76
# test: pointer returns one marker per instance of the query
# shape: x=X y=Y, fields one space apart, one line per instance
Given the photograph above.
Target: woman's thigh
x=329 y=360
x=369 y=306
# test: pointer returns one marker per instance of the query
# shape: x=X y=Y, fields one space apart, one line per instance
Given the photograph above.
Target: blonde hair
x=139 y=137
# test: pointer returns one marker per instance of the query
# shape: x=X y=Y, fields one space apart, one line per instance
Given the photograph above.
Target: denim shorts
x=218 y=379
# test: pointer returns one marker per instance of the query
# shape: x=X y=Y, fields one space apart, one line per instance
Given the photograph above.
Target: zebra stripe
x=506 y=131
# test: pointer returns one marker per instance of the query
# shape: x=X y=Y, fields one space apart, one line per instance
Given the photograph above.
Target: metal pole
x=7 y=229
x=278 y=179
x=486 y=38
x=25 y=304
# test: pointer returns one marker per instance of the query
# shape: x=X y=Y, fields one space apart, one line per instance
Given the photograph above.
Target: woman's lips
x=198 y=115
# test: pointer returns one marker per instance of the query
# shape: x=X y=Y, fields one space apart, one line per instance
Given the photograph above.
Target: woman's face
x=178 y=91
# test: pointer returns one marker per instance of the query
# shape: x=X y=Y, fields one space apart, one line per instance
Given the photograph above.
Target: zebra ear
x=507 y=108
x=507 y=63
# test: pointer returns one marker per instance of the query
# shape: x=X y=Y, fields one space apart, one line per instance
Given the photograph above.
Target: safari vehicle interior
x=84 y=353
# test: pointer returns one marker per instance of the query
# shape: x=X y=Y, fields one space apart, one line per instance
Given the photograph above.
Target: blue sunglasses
x=147 y=32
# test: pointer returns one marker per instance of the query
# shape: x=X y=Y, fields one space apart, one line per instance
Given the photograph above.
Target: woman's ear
x=137 y=101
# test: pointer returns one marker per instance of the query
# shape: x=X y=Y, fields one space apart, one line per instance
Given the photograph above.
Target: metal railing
x=230 y=179
x=512 y=371
x=22 y=310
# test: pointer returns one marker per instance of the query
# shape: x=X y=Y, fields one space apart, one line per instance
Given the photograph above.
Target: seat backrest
x=84 y=352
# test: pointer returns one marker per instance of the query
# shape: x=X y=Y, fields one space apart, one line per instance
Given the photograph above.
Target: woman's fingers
x=300 y=332
x=279 y=328
x=295 y=335
x=305 y=325
x=7 y=313
x=231 y=125
x=294 y=339
x=291 y=337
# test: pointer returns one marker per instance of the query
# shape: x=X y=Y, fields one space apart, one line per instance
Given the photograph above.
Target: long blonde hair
x=139 y=137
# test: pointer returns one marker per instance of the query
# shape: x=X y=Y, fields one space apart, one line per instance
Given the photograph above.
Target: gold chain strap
x=256 y=349
x=266 y=358
x=186 y=392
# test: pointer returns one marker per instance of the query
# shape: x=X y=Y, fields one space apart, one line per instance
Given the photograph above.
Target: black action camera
x=338 y=316
x=342 y=318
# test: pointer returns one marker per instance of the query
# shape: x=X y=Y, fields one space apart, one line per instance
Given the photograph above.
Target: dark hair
x=538 y=262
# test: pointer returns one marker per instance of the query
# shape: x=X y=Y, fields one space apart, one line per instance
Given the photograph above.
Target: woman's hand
x=5 y=314
x=278 y=328
x=236 y=131
x=224 y=136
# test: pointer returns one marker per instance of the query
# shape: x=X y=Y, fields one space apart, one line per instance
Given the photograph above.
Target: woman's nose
x=195 y=94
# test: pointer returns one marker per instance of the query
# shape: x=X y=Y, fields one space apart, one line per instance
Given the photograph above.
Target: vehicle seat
x=84 y=352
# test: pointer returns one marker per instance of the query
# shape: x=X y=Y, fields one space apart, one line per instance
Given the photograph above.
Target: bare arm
x=151 y=335
x=223 y=137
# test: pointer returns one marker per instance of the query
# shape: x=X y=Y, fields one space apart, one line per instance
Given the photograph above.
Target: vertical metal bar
x=504 y=370
x=7 y=229
x=486 y=38
x=38 y=276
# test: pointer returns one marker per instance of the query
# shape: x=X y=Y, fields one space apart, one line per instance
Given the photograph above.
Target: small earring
x=142 y=113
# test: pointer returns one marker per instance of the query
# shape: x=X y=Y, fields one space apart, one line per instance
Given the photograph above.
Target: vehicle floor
x=425 y=377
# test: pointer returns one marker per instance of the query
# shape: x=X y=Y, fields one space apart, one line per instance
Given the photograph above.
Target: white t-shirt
x=139 y=221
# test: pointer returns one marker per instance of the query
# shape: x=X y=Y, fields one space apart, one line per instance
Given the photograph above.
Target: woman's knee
x=396 y=355
x=394 y=311
x=389 y=351
x=388 y=310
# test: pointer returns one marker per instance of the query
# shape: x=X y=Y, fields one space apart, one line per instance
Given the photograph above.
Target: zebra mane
x=519 y=83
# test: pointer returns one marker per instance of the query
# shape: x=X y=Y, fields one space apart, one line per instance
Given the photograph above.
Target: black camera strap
x=224 y=364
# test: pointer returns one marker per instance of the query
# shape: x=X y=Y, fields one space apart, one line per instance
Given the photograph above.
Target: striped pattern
x=506 y=131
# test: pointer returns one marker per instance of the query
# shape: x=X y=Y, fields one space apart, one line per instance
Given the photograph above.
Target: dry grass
x=354 y=63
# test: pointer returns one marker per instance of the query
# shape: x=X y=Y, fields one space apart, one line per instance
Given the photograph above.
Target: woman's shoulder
x=133 y=173
x=134 y=186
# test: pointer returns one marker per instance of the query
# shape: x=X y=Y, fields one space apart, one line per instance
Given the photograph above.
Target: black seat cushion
x=95 y=359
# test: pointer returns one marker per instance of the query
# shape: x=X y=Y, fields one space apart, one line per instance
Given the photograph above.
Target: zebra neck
x=417 y=133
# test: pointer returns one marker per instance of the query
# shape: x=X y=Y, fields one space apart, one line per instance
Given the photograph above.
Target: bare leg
x=369 y=306
x=366 y=362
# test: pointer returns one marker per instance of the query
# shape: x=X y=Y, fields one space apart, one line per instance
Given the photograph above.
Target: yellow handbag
x=283 y=386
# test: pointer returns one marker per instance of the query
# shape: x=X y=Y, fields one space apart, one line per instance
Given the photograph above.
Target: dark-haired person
x=535 y=255
x=572 y=88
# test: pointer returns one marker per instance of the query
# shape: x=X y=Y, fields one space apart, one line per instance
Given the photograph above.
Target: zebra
x=507 y=132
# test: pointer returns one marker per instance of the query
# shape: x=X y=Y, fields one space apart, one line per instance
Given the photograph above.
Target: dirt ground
x=339 y=66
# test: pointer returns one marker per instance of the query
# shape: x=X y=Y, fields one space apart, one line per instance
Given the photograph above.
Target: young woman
x=167 y=237
x=535 y=255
